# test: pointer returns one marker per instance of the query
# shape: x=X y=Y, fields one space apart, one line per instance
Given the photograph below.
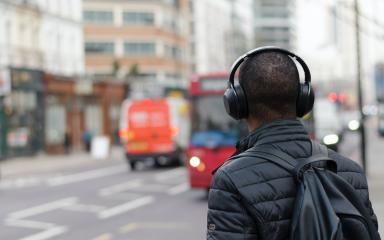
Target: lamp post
x=363 y=146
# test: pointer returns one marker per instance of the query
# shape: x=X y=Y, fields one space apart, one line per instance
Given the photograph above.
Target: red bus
x=213 y=133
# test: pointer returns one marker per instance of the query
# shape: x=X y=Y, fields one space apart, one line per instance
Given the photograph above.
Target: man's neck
x=254 y=123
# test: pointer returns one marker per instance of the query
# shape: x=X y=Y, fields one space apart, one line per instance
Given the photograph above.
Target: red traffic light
x=332 y=96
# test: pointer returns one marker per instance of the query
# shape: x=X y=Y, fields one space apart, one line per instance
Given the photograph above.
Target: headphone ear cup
x=235 y=102
x=242 y=101
x=230 y=102
x=305 y=100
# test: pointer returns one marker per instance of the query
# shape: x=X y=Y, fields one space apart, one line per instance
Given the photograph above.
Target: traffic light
x=332 y=96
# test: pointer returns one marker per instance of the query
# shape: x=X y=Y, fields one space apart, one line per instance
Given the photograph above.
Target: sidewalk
x=375 y=168
x=44 y=163
x=375 y=164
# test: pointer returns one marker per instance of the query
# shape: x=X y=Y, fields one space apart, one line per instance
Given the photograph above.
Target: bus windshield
x=211 y=126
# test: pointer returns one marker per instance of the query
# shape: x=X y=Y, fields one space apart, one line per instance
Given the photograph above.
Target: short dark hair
x=270 y=81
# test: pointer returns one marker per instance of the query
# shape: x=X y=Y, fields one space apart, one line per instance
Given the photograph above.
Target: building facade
x=44 y=35
x=137 y=41
x=275 y=23
x=36 y=37
x=220 y=32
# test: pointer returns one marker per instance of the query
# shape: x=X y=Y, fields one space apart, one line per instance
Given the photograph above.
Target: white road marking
x=118 y=188
x=84 y=208
x=20 y=183
x=154 y=225
x=120 y=209
x=178 y=189
x=170 y=174
x=83 y=176
x=105 y=236
x=28 y=224
x=152 y=187
x=49 y=230
x=125 y=196
x=42 y=208
x=47 y=234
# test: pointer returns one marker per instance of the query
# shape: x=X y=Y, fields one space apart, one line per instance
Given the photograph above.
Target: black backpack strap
x=276 y=156
x=297 y=168
x=319 y=159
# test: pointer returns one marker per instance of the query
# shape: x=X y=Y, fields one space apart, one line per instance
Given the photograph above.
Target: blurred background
x=111 y=114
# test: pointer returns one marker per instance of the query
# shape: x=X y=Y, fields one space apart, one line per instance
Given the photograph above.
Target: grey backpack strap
x=319 y=149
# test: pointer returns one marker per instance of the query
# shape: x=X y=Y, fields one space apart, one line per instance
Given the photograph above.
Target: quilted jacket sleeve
x=368 y=204
x=227 y=217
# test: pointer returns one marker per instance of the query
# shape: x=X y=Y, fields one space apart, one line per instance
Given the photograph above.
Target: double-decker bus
x=213 y=133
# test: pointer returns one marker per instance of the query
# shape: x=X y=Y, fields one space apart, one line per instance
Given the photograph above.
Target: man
x=252 y=198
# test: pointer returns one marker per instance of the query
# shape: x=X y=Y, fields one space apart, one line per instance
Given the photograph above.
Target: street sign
x=5 y=82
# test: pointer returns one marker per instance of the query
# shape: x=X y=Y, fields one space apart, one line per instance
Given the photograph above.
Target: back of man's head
x=270 y=81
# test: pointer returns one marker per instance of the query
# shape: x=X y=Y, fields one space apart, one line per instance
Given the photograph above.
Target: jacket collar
x=274 y=132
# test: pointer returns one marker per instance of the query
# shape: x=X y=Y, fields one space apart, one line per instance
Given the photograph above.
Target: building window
x=173 y=52
x=273 y=3
x=275 y=13
x=94 y=119
x=98 y=17
x=99 y=47
x=173 y=76
x=138 y=18
x=139 y=48
x=55 y=120
x=271 y=30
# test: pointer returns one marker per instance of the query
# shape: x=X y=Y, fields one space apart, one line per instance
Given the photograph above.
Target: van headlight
x=331 y=139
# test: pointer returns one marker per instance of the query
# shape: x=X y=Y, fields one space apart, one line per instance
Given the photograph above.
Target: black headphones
x=235 y=100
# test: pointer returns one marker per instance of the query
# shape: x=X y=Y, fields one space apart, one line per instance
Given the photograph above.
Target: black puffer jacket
x=252 y=198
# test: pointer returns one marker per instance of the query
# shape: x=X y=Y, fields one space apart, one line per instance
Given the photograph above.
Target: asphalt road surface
x=101 y=203
x=107 y=201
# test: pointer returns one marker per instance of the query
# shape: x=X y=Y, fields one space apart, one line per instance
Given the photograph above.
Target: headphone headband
x=241 y=59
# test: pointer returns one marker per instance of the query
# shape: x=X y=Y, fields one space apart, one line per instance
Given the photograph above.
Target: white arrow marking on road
x=49 y=233
x=83 y=176
x=111 y=212
x=49 y=230
x=178 y=189
x=42 y=208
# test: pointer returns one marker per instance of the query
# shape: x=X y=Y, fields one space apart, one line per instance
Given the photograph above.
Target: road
x=106 y=201
x=103 y=202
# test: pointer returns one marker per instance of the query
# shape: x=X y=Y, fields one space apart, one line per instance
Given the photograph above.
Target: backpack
x=327 y=207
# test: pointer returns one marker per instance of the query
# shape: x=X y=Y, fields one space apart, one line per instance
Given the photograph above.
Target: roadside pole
x=359 y=87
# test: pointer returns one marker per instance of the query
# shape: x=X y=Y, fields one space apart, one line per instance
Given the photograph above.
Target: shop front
x=24 y=113
x=75 y=109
